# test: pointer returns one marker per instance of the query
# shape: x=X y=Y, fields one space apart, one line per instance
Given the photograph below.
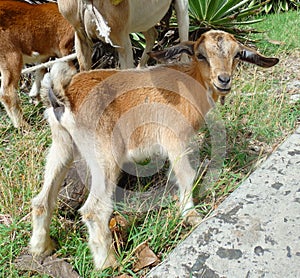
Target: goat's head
x=215 y=55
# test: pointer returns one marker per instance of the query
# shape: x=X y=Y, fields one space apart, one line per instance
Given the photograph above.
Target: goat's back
x=100 y=98
x=34 y=28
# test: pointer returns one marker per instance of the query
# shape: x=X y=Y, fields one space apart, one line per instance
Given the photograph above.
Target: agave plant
x=276 y=6
x=228 y=15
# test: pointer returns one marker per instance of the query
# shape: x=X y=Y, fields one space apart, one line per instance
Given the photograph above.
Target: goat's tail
x=54 y=85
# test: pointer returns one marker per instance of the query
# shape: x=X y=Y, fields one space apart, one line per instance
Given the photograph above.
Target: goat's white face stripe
x=220 y=52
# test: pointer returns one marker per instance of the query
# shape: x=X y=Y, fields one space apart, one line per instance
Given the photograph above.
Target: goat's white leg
x=59 y=159
x=181 y=7
x=125 y=52
x=96 y=213
x=150 y=37
x=185 y=176
x=36 y=86
x=84 y=50
x=10 y=74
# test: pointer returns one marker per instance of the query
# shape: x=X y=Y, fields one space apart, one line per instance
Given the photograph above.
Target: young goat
x=116 y=116
x=29 y=34
x=96 y=19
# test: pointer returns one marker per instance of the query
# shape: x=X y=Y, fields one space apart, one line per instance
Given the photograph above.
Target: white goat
x=29 y=34
x=114 y=22
x=114 y=116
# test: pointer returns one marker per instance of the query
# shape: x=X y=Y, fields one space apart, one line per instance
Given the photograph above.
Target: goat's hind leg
x=34 y=93
x=150 y=37
x=59 y=159
x=10 y=73
x=96 y=213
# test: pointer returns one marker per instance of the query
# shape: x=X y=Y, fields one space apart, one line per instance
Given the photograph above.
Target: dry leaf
x=5 y=219
x=51 y=266
x=175 y=198
x=124 y=276
x=118 y=226
x=117 y=222
x=113 y=224
x=122 y=222
x=145 y=257
x=276 y=42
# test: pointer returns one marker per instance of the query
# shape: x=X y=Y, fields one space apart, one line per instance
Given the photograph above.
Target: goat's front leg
x=124 y=51
x=185 y=176
x=59 y=159
x=181 y=7
x=10 y=73
x=84 y=50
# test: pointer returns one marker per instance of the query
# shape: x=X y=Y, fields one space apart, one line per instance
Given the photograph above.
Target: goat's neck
x=193 y=70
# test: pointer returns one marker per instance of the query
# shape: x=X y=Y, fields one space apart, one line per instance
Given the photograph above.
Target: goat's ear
x=251 y=56
x=173 y=52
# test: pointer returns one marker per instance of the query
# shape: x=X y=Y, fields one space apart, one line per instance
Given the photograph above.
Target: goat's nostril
x=224 y=78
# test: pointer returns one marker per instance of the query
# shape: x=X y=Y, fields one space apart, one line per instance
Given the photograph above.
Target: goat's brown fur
x=29 y=34
x=115 y=116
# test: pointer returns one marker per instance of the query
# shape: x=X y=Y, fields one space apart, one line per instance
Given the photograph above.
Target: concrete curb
x=255 y=232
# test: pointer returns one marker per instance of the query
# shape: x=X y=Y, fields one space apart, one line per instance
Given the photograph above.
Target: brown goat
x=29 y=34
x=116 y=116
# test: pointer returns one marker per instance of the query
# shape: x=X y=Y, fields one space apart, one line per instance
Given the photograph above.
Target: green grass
x=258 y=116
x=282 y=29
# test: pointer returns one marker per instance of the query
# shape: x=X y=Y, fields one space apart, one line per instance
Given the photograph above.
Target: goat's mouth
x=222 y=91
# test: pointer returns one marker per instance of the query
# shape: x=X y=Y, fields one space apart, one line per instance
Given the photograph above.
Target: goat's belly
x=146 y=154
x=145 y=14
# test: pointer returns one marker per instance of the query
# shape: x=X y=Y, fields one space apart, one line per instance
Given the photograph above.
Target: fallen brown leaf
x=113 y=226
x=52 y=266
x=118 y=226
x=117 y=222
x=5 y=219
x=276 y=42
x=145 y=257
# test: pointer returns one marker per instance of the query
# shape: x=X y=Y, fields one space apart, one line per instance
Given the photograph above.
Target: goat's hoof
x=43 y=251
x=110 y=261
x=192 y=217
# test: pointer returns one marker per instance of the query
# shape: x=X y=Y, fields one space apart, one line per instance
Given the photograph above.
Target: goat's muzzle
x=223 y=84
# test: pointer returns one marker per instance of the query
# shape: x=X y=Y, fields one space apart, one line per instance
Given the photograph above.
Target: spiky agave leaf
x=223 y=14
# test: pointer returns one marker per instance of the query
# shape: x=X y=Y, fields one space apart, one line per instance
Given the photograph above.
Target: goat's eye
x=200 y=57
